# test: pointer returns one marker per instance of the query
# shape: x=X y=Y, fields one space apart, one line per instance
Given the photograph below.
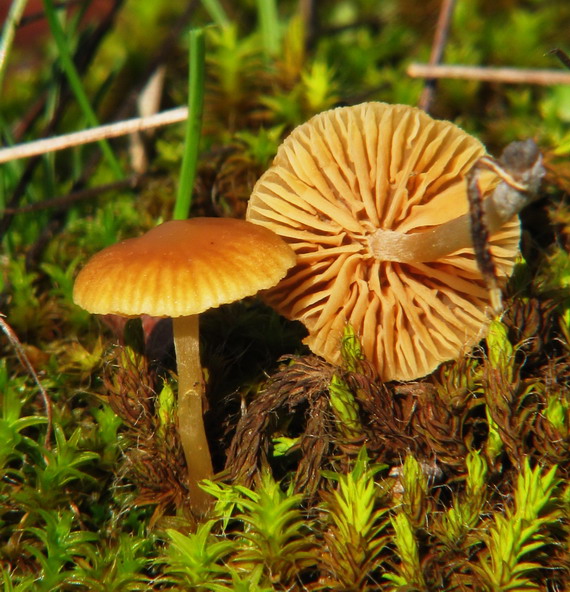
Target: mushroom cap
x=338 y=178
x=183 y=267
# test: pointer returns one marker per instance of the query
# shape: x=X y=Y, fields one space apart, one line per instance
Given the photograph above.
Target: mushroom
x=373 y=200
x=180 y=269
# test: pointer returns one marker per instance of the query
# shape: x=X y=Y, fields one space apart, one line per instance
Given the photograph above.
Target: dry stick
x=148 y=103
x=25 y=361
x=439 y=41
x=506 y=75
x=308 y=12
x=41 y=15
x=73 y=197
x=521 y=171
x=562 y=56
x=112 y=130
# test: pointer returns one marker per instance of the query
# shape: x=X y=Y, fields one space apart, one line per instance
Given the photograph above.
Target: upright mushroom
x=373 y=200
x=180 y=269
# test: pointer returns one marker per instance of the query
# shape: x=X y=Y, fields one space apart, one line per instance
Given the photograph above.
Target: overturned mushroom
x=180 y=269
x=373 y=200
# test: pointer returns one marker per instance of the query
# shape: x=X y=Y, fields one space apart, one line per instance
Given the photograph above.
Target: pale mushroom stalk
x=190 y=409
x=506 y=201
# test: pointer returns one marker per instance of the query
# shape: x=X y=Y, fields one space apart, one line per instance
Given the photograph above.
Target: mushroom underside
x=345 y=184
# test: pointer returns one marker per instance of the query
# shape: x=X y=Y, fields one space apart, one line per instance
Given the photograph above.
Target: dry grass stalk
x=111 y=130
x=438 y=47
x=486 y=74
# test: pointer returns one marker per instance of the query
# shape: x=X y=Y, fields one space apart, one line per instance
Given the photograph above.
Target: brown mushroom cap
x=183 y=267
x=336 y=180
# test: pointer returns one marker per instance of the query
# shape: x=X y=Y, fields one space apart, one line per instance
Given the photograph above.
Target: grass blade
x=193 y=124
x=75 y=82
x=217 y=12
x=269 y=22
x=8 y=31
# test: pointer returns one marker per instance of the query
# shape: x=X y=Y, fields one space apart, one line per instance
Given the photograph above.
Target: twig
x=521 y=171
x=112 y=130
x=148 y=103
x=439 y=41
x=25 y=361
x=505 y=75
x=562 y=56
x=71 y=198
x=41 y=15
x=307 y=9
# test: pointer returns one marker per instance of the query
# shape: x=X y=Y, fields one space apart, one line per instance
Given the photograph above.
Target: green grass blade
x=269 y=22
x=9 y=171
x=8 y=32
x=216 y=12
x=75 y=82
x=193 y=124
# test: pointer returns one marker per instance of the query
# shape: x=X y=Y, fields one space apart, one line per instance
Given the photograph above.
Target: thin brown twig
x=71 y=198
x=562 y=56
x=111 y=130
x=41 y=15
x=438 y=47
x=25 y=361
x=308 y=11
x=521 y=171
x=488 y=74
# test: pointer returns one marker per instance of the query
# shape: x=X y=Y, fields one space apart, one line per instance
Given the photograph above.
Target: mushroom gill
x=367 y=196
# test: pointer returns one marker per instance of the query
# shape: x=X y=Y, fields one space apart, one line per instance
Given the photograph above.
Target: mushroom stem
x=433 y=244
x=190 y=409
x=507 y=200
